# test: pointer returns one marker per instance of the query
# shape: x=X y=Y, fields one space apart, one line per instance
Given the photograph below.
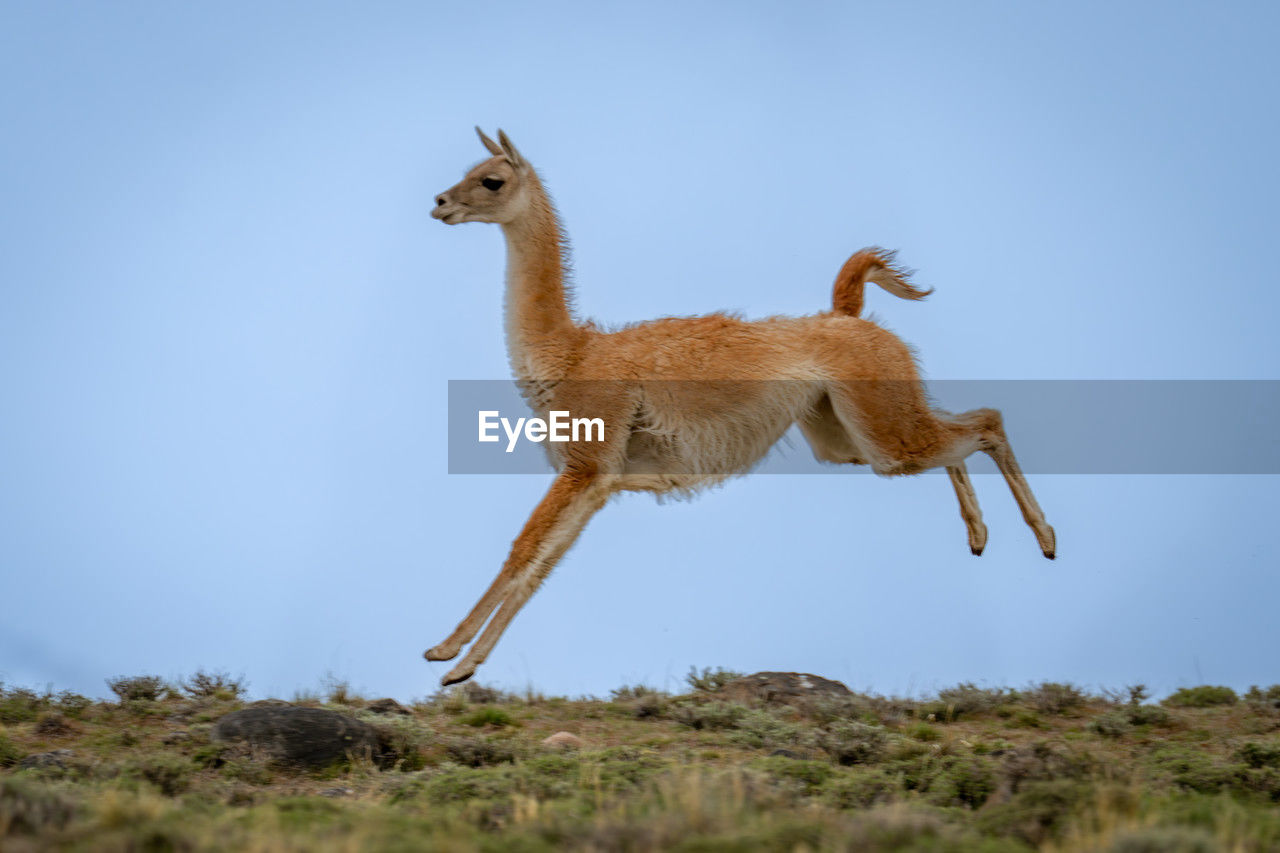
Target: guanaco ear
x=493 y=147
x=513 y=156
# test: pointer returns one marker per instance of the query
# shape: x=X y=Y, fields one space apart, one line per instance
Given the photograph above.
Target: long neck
x=541 y=334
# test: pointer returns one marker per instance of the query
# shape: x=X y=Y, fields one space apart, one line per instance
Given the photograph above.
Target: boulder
x=781 y=688
x=307 y=737
x=57 y=758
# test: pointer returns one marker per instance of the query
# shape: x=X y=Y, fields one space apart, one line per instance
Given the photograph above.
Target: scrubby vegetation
x=1047 y=766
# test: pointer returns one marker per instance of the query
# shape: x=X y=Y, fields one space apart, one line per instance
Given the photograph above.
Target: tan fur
x=690 y=401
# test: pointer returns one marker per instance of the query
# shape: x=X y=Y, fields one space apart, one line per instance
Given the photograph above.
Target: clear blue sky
x=227 y=324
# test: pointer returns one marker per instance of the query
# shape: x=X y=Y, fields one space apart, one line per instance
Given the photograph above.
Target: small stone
x=387 y=706
x=563 y=740
x=785 y=753
x=337 y=792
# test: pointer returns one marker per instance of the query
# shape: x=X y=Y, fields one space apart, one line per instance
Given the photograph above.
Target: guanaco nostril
x=439 y=200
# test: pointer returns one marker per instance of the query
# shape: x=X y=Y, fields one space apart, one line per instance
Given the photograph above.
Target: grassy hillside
x=969 y=769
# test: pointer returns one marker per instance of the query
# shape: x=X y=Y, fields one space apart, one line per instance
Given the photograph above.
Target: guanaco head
x=492 y=191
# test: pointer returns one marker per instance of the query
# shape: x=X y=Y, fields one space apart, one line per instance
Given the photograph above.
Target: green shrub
x=996 y=747
x=1147 y=715
x=924 y=732
x=967 y=782
x=549 y=777
x=213 y=685
x=640 y=701
x=489 y=716
x=138 y=688
x=621 y=768
x=805 y=775
x=481 y=695
x=861 y=788
x=10 y=752
x=876 y=710
x=710 y=680
x=709 y=715
x=964 y=700
x=1204 y=696
x=28 y=807
x=1025 y=719
x=649 y=706
x=1121 y=721
x=1192 y=770
x=402 y=743
x=1111 y=724
x=1268 y=698
x=19 y=705
x=478 y=752
x=1258 y=755
x=764 y=730
x=53 y=725
x=1037 y=812
x=1138 y=694
x=169 y=773
x=1050 y=697
x=337 y=691
x=249 y=771
x=908 y=828
x=463 y=784
x=211 y=755
x=72 y=704
x=854 y=743
x=1164 y=839
x=1045 y=762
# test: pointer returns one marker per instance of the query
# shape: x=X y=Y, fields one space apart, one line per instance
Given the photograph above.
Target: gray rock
x=782 y=688
x=57 y=758
x=307 y=737
x=386 y=706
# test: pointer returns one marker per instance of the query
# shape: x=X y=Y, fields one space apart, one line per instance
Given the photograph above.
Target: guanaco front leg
x=552 y=528
x=470 y=626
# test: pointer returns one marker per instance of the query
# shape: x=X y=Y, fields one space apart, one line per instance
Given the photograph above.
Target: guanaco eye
x=492 y=184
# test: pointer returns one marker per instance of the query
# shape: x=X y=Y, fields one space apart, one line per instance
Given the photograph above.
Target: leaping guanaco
x=690 y=401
